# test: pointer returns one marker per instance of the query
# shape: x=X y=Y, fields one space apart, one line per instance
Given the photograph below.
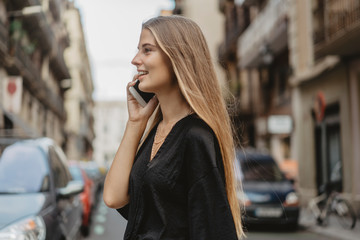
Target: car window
x=76 y=173
x=254 y=169
x=61 y=175
x=23 y=169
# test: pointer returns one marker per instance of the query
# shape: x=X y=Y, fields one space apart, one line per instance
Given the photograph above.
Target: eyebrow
x=147 y=44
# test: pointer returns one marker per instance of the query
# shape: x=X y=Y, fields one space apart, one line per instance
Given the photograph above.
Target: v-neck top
x=180 y=194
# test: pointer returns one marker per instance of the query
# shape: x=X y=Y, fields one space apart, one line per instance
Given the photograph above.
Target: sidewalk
x=333 y=230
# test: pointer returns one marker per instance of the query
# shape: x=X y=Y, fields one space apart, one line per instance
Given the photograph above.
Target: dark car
x=38 y=199
x=268 y=196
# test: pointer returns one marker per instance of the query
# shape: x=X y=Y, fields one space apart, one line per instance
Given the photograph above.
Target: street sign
x=279 y=124
x=12 y=94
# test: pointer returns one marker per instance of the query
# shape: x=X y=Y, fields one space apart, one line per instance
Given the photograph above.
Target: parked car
x=268 y=196
x=38 y=199
x=93 y=171
x=86 y=196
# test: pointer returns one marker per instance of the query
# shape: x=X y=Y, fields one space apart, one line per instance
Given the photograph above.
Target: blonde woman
x=178 y=182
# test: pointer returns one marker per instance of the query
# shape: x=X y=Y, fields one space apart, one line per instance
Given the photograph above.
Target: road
x=107 y=224
x=300 y=234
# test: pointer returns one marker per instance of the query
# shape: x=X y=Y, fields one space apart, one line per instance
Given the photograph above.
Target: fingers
x=153 y=102
x=151 y=105
x=132 y=83
x=136 y=76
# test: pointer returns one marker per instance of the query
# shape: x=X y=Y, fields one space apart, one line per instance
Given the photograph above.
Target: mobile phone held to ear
x=142 y=97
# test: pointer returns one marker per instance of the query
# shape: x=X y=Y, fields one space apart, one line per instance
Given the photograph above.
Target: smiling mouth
x=142 y=73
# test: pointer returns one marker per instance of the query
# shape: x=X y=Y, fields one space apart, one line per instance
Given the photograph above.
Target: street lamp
x=26 y=11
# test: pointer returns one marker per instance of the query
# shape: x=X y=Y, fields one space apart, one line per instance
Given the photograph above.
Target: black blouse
x=180 y=193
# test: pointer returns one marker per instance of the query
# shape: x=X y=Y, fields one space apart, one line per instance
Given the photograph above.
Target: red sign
x=11 y=87
x=319 y=106
x=12 y=94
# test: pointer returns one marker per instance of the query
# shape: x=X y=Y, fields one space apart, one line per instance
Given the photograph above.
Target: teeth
x=142 y=73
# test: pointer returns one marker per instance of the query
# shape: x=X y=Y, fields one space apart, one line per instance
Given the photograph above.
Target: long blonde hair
x=184 y=43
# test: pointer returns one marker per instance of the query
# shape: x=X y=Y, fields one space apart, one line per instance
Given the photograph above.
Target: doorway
x=328 y=149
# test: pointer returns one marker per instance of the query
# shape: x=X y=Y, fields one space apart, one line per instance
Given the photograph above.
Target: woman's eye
x=147 y=50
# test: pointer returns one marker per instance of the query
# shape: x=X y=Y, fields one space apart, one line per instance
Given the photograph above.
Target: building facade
x=79 y=102
x=294 y=68
x=211 y=23
x=255 y=56
x=33 y=73
x=109 y=130
x=326 y=88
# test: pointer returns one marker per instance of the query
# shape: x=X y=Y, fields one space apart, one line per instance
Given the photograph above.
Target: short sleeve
x=209 y=212
x=124 y=211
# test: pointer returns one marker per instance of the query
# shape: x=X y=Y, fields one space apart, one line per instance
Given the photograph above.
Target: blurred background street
x=290 y=73
x=108 y=224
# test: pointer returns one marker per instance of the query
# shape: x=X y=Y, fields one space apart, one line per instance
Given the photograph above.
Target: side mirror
x=72 y=188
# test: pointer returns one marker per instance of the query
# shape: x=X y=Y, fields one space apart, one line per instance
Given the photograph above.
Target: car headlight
x=32 y=228
x=292 y=199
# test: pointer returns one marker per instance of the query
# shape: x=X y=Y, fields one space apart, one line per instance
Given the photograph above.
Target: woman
x=178 y=183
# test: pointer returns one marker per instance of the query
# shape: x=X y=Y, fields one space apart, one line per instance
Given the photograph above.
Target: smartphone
x=142 y=97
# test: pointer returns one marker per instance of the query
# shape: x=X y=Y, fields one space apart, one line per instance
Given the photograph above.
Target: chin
x=145 y=88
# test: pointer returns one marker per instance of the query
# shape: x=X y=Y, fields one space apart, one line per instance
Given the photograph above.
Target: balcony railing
x=268 y=29
x=41 y=30
x=23 y=64
x=58 y=64
x=332 y=20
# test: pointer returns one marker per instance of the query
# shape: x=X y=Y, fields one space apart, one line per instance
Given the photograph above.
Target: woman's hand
x=137 y=113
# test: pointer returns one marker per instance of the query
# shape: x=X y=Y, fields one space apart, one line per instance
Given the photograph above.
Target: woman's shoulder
x=202 y=151
x=198 y=129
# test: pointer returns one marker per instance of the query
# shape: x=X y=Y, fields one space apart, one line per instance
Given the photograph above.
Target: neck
x=173 y=106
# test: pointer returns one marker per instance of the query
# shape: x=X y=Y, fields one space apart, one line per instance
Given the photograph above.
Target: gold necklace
x=164 y=130
x=161 y=135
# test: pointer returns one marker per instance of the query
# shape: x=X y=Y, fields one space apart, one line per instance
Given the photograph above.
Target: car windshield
x=23 y=169
x=256 y=169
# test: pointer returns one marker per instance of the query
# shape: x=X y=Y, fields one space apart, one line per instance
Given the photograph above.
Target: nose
x=136 y=60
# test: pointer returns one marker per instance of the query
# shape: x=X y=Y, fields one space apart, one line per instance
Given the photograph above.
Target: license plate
x=268 y=212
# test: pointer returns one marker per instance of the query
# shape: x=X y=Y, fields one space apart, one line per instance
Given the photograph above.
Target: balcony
x=55 y=7
x=336 y=27
x=18 y=4
x=3 y=41
x=58 y=65
x=55 y=103
x=237 y=20
x=267 y=33
x=37 y=25
x=40 y=29
x=20 y=63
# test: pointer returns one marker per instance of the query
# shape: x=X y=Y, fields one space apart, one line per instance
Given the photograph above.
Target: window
x=61 y=176
x=23 y=169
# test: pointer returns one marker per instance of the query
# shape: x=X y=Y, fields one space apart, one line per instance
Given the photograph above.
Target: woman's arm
x=117 y=179
x=116 y=186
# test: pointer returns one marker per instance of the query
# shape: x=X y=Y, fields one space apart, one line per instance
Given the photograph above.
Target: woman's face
x=153 y=65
